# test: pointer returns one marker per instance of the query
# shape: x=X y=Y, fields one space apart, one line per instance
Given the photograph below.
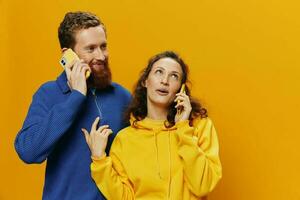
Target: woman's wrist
x=98 y=155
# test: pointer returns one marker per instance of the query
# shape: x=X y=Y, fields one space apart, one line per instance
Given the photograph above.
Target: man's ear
x=64 y=49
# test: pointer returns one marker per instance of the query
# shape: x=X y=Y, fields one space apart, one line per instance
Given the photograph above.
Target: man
x=59 y=109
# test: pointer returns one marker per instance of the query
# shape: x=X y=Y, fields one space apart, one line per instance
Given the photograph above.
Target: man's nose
x=99 y=54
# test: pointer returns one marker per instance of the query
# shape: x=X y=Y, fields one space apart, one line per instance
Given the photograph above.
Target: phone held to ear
x=68 y=57
x=182 y=90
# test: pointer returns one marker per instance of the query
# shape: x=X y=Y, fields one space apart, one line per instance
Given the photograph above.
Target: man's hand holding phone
x=76 y=70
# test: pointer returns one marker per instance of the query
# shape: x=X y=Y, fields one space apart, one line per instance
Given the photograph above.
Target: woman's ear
x=144 y=83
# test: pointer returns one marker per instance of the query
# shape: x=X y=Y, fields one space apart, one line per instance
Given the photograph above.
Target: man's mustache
x=100 y=63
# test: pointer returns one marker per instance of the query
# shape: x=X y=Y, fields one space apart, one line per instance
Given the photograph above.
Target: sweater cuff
x=98 y=158
x=98 y=163
x=76 y=98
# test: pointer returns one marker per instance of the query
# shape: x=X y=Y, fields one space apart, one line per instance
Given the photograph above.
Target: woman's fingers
x=181 y=104
x=94 y=125
x=86 y=135
x=182 y=101
x=179 y=99
x=181 y=96
x=102 y=128
x=107 y=132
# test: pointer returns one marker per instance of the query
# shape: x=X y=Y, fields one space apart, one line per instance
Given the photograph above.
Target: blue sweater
x=52 y=132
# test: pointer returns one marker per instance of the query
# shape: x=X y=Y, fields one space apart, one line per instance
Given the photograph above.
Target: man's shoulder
x=48 y=87
x=120 y=89
x=50 y=90
x=54 y=86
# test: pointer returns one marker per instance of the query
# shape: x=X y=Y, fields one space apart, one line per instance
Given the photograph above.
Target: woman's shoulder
x=202 y=121
x=125 y=132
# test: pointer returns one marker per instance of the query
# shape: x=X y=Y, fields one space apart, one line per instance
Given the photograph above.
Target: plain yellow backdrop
x=244 y=63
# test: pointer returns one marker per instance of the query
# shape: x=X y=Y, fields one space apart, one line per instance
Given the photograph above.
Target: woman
x=170 y=151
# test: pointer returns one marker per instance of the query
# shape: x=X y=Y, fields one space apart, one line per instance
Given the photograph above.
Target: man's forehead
x=91 y=35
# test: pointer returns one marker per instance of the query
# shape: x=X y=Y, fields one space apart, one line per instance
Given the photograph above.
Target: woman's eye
x=158 y=71
x=175 y=76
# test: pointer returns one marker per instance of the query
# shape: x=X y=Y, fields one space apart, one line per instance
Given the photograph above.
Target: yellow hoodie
x=148 y=161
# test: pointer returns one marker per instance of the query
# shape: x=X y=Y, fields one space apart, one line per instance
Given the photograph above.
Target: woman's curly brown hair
x=138 y=106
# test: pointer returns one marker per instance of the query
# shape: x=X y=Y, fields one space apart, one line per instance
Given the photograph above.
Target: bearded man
x=59 y=109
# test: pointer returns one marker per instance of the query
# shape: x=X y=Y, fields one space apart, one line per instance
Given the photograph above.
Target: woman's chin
x=162 y=103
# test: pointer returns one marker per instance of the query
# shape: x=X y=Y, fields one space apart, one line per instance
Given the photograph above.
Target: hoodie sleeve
x=110 y=176
x=45 y=125
x=199 y=152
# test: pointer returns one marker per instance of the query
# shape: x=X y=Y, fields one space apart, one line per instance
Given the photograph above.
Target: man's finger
x=68 y=68
x=70 y=65
x=86 y=70
x=77 y=67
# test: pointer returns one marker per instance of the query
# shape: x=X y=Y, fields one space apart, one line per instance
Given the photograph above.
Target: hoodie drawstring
x=170 y=165
x=156 y=149
x=170 y=161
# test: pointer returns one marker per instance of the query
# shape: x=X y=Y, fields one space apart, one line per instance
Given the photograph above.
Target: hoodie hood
x=150 y=124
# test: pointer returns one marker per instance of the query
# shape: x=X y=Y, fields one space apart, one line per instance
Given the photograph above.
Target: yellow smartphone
x=68 y=57
x=182 y=89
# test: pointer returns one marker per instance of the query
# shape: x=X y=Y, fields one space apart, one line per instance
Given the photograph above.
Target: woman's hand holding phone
x=183 y=105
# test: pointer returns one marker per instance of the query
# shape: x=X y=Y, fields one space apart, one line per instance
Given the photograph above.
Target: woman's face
x=163 y=82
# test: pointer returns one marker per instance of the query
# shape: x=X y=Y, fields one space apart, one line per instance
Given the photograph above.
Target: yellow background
x=244 y=60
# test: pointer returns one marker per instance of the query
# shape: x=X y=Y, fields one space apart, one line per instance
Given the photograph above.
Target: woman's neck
x=156 y=112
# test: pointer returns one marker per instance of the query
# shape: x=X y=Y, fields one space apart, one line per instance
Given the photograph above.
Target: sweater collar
x=62 y=82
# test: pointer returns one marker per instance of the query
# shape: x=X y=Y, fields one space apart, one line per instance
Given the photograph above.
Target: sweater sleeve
x=44 y=125
x=110 y=176
x=199 y=152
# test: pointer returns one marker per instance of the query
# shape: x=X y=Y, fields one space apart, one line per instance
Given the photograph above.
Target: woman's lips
x=162 y=92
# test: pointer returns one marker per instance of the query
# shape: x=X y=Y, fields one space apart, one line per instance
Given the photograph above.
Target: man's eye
x=90 y=49
x=103 y=47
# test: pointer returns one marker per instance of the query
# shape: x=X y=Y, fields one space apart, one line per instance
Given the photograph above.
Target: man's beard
x=100 y=77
